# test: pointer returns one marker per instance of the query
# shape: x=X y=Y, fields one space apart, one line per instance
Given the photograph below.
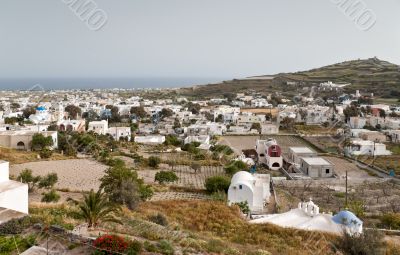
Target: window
x=327 y=171
x=240 y=187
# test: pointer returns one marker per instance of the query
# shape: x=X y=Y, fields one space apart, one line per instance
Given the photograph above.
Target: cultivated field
x=73 y=174
x=187 y=177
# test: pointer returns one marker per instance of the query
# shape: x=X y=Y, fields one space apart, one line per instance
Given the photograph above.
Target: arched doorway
x=20 y=145
x=62 y=127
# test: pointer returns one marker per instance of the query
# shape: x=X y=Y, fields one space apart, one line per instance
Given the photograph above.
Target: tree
x=97 y=208
x=165 y=176
x=287 y=123
x=154 y=161
x=48 y=181
x=28 y=111
x=196 y=167
x=27 y=177
x=123 y=186
x=172 y=140
x=15 y=106
x=73 y=111
x=382 y=113
x=39 y=141
x=219 y=118
x=90 y=115
x=139 y=111
x=217 y=183
x=194 y=108
x=256 y=126
x=351 y=111
x=165 y=113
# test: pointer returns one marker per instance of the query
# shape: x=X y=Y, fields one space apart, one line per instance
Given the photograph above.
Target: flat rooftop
x=316 y=161
x=301 y=150
x=9 y=185
x=25 y=132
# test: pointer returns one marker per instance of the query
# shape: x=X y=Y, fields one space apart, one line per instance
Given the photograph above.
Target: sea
x=103 y=83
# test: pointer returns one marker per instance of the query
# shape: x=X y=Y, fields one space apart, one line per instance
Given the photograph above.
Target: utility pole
x=346 y=192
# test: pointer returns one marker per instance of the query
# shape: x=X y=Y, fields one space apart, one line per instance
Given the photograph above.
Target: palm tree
x=96 y=208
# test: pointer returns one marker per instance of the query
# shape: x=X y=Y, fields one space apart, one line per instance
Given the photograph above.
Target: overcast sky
x=189 y=38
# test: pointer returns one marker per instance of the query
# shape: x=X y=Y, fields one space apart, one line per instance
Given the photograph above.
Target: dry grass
x=216 y=220
x=20 y=157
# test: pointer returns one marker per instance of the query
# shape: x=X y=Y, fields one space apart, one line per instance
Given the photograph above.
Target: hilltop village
x=160 y=173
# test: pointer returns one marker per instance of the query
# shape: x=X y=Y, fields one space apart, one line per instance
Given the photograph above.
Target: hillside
x=369 y=75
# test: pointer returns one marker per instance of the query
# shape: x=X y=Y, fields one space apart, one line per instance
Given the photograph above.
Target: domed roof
x=346 y=218
x=241 y=177
x=41 y=108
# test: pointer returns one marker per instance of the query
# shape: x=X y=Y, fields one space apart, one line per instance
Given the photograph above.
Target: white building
x=296 y=153
x=13 y=195
x=154 y=139
x=22 y=139
x=120 y=133
x=269 y=129
x=253 y=189
x=317 y=167
x=357 y=122
x=366 y=147
x=269 y=153
x=260 y=102
x=99 y=127
x=202 y=139
x=307 y=217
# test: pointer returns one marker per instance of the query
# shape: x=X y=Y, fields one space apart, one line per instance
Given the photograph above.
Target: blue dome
x=346 y=218
x=41 y=108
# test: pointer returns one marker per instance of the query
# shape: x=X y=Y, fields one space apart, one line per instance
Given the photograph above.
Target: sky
x=187 y=38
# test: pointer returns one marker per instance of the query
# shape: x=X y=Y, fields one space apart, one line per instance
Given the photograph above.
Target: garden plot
x=163 y=196
x=187 y=177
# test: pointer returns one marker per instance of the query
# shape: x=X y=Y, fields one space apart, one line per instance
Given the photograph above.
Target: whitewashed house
x=251 y=188
x=22 y=139
x=13 y=195
x=269 y=153
x=357 y=122
x=365 y=147
x=120 y=133
x=151 y=139
x=269 y=129
x=296 y=153
x=99 y=127
x=316 y=167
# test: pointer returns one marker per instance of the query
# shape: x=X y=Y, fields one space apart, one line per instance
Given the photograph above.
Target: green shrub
x=159 y=219
x=51 y=196
x=48 y=181
x=244 y=207
x=235 y=166
x=154 y=161
x=391 y=220
x=45 y=153
x=134 y=248
x=216 y=184
x=15 y=226
x=165 y=176
x=165 y=248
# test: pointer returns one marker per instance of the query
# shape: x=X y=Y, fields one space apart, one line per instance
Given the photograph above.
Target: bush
x=159 y=219
x=15 y=226
x=370 y=242
x=165 y=247
x=235 y=166
x=391 y=220
x=165 y=176
x=222 y=148
x=154 y=161
x=50 y=196
x=217 y=183
x=48 y=181
x=45 y=153
x=244 y=207
x=172 y=140
x=134 y=248
x=110 y=244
